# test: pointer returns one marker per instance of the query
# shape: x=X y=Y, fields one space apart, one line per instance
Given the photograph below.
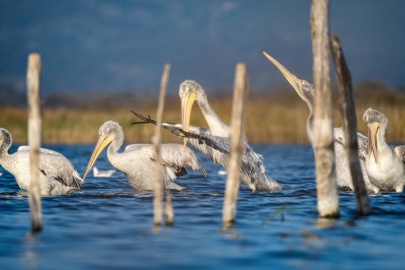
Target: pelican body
x=305 y=91
x=214 y=142
x=138 y=161
x=57 y=175
x=384 y=164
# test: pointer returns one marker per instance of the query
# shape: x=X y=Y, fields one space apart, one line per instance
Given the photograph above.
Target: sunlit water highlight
x=108 y=225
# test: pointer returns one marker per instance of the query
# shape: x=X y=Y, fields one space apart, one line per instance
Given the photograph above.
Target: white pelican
x=385 y=166
x=306 y=92
x=107 y=173
x=209 y=141
x=57 y=175
x=138 y=161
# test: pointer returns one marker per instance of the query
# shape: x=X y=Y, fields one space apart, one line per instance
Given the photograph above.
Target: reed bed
x=270 y=119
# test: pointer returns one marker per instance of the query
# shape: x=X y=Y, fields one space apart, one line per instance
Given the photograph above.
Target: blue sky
x=120 y=45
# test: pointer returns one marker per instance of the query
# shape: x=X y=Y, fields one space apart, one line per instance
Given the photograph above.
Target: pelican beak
x=103 y=141
x=372 y=140
x=294 y=81
x=186 y=106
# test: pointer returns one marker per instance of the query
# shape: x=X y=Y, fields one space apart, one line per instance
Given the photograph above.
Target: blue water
x=109 y=226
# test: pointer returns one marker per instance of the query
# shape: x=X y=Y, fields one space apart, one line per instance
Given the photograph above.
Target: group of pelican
x=383 y=166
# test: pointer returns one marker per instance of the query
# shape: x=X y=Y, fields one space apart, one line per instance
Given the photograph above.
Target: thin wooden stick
x=240 y=95
x=328 y=201
x=348 y=111
x=158 y=198
x=34 y=138
x=169 y=212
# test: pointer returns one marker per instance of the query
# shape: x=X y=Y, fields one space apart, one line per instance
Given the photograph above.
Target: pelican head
x=376 y=122
x=5 y=140
x=303 y=88
x=189 y=92
x=109 y=132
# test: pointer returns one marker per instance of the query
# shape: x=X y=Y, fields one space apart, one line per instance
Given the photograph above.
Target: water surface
x=108 y=225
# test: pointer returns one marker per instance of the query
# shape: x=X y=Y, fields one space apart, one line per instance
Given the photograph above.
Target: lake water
x=108 y=225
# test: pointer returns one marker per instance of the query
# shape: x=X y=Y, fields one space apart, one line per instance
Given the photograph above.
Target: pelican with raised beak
x=305 y=91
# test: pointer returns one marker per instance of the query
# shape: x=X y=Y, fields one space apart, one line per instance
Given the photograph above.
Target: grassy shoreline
x=277 y=120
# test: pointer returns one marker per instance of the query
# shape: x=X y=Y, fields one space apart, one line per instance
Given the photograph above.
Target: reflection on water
x=109 y=225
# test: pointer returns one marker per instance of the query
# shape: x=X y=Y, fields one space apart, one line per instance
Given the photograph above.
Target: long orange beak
x=186 y=106
x=291 y=78
x=372 y=140
x=102 y=142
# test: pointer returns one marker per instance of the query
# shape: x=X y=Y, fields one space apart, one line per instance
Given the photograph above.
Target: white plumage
x=384 y=164
x=57 y=175
x=107 y=173
x=306 y=91
x=138 y=161
x=215 y=141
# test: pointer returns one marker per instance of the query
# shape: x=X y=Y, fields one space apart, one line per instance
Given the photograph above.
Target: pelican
x=253 y=172
x=305 y=91
x=107 y=173
x=138 y=161
x=57 y=175
x=384 y=164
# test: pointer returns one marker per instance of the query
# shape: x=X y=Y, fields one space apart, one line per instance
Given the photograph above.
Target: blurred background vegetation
x=278 y=116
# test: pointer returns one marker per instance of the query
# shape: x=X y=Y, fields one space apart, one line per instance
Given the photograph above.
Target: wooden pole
x=240 y=95
x=348 y=111
x=328 y=201
x=34 y=137
x=158 y=198
x=169 y=212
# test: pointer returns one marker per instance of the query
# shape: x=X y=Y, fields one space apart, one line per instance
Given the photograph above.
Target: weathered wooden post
x=158 y=198
x=169 y=212
x=328 y=201
x=34 y=137
x=240 y=95
x=348 y=111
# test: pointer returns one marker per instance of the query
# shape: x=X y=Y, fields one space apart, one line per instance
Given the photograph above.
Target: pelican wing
x=205 y=142
x=400 y=151
x=56 y=166
x=361 y=140
x=173 y=155
x=41 y=150
x=202 y=135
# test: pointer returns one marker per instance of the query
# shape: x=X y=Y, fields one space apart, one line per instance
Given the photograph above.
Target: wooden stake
x=240 y=95
x=348 y=111
x=158 y=198
x=328 y=201
x=34 y=137
x=169 y=212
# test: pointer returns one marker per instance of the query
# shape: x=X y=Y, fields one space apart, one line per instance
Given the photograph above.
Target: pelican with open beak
x=384 y=164
x=138 y=161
